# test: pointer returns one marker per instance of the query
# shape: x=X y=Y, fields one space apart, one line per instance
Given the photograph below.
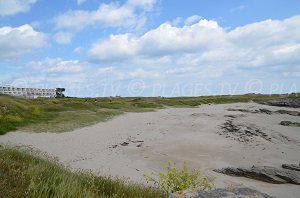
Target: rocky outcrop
x=221 y=193
x=264 y=173
x=241 y=132
x=284 y=102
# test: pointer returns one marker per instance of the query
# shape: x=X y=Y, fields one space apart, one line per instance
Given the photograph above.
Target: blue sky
x=151 y=47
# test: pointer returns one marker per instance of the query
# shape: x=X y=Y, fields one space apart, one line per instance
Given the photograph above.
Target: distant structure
x=32 y=92
x=59 y=92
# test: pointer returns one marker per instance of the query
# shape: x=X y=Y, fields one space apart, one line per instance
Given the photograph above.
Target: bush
x=175 y=180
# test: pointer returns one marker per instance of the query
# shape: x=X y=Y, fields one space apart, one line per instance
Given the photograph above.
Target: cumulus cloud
x=261 y=44
x=11 y=7
x=16 y=41
x=164 y=40
x=57 y=65
x=107 y=15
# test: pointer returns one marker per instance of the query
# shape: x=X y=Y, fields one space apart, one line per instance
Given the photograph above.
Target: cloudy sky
x=151 y=47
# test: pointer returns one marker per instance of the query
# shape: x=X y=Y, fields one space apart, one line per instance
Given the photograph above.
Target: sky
x=97 y=48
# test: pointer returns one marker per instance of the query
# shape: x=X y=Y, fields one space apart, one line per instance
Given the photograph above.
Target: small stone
x=124 y=144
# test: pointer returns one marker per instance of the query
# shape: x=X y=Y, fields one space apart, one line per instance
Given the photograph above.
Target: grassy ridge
x=24 y=174
x=65 y=114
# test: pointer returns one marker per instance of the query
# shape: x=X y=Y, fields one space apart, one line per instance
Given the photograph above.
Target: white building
x=28 y=92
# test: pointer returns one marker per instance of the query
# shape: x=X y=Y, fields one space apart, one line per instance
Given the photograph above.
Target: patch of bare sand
x=135 y=143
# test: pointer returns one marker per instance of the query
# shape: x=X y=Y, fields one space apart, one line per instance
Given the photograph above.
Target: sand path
x=178 y=135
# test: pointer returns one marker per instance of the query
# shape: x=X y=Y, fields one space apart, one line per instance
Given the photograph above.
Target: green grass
x=28 y=174
x=66 y=114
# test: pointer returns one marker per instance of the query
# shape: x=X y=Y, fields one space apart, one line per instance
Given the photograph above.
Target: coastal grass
x=25 y=173
x=66 y=114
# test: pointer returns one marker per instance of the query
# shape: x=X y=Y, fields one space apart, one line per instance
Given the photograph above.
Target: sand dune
x=135 y=143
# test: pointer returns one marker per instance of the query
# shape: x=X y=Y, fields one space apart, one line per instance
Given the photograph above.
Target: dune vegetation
x=25 y=173
x=66 y=114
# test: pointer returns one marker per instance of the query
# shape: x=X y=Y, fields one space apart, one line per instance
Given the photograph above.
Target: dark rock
x=264 y=173
x=286 y=123
x=124 y=144
x=266 y=111
x=114 y=146
x=137 y=141
x=291 y=167
x=221 y=193
x=284 y=102
x=293 y=113
x=241 y=132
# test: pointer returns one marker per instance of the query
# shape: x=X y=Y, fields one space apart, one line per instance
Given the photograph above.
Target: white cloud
x=122 y=46
x=262 y=44
x=57 y=65
x=141 y=73
x=11 y=7
x=16 y=41
x=107 y=15
x=144 y=4
x=63 y=37
x=164 y=40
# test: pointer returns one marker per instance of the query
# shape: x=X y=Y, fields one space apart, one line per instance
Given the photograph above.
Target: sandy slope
x=181 y=134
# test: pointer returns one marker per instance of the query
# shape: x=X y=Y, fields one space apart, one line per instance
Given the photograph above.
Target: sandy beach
x=136 y=143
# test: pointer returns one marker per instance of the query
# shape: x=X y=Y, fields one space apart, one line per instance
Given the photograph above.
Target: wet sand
x=136 y=143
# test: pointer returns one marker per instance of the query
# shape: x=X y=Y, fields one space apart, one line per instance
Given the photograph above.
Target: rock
x=114 y=146
x=286 y=123
x=264 y=173
x=266 y=111
x=137 y=141
x=221 y=193
x=241 y=132
x=139 y=145
x=291 y=167
x=293 y=113
x=284 y=102
x=124 y=144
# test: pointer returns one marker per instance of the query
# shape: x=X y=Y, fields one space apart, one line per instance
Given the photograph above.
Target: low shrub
x=176 y=180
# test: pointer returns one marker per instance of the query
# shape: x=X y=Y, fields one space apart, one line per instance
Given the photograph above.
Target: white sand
x=176 y=134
